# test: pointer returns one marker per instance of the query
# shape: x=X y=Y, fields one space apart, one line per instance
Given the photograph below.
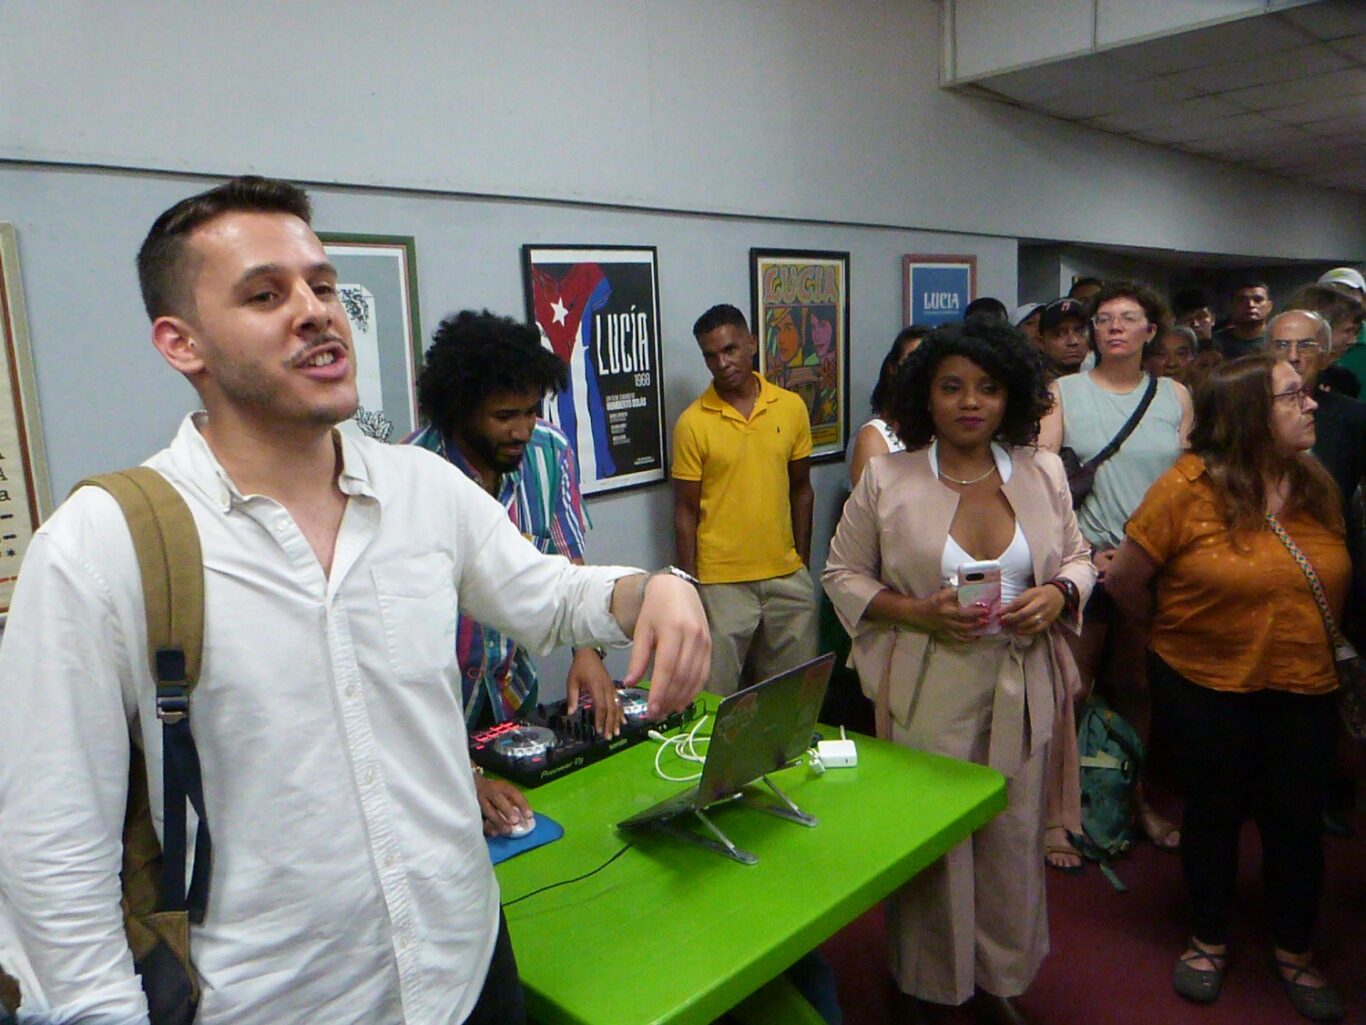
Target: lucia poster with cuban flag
x=597 y=308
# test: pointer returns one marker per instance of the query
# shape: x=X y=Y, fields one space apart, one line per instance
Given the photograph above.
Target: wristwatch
x=672 y=571
x=675 y=571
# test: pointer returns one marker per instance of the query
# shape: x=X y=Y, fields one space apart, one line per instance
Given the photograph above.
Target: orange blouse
x=1237 y=618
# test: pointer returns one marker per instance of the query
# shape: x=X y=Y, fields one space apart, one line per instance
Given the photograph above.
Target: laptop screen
x=763 y=728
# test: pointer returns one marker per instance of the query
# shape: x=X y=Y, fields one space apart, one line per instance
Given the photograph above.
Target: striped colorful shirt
x=542 y=498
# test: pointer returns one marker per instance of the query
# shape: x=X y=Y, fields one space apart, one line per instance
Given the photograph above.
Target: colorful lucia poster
x=801 y=318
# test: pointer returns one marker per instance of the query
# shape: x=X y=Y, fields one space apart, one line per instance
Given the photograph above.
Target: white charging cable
x=684 y=746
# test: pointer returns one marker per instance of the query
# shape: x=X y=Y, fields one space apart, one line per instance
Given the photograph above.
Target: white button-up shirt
x=350 y=881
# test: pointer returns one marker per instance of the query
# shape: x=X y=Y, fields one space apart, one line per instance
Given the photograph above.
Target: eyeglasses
x=1306 y=347
x=1130 y=319
x=1300 y=396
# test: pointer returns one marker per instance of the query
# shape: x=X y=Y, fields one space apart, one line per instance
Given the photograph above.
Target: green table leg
x=777 y=1003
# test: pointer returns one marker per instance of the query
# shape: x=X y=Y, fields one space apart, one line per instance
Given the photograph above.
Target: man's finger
x=662 y=685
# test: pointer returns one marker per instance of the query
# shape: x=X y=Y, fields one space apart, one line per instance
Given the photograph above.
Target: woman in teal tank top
x=1089 y=409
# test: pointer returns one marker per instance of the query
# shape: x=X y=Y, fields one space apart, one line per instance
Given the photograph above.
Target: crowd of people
x=1174 y=508
x=1168 y=509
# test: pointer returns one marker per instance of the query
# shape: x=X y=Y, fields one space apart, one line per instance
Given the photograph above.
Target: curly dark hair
x=477 y=354
x=1000 y=350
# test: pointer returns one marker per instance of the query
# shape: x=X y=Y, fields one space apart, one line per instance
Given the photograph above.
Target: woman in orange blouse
x=1239 y=648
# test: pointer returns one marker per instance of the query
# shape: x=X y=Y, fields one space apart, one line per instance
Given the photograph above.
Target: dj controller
x=555 y=741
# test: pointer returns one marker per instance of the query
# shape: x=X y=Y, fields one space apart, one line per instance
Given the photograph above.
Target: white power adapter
x=837 y=754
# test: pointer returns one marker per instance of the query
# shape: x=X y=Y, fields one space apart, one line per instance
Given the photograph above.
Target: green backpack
x=1111 y=756
x=158 y=906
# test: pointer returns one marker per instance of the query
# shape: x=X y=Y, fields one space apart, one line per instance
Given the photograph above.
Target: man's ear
x=174 y=338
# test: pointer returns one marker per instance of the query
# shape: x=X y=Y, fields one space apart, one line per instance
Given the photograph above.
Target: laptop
x=758 y=730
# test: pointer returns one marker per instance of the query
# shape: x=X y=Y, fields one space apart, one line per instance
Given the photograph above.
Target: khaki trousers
x=977 y=918
x=776 y=618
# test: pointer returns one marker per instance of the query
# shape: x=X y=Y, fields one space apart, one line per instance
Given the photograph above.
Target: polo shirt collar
x=768 y=394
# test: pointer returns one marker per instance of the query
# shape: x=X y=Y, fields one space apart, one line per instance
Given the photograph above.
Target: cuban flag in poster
x=564 y=309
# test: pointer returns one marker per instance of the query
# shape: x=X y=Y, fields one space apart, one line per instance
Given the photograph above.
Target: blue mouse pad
x=503 y=847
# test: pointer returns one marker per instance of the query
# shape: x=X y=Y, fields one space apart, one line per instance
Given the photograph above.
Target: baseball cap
x=1025 y=311
x=1345 y=276
x=1059 y=310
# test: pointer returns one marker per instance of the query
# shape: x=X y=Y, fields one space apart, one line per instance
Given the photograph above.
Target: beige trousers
x=775 y=617
x=977 y=918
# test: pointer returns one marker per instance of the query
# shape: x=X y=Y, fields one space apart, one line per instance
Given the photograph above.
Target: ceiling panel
x=1239 y=72
x=1328 y=20
x=1282 y=92
x=1276 y=95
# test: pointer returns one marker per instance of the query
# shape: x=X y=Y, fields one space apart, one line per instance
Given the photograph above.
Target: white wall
x=786 y=108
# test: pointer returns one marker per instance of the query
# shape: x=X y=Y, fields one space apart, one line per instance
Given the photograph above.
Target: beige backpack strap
x=157 y=907
x=169 y=558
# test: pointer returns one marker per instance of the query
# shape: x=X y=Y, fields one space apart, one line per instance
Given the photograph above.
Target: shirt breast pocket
x=417 y=605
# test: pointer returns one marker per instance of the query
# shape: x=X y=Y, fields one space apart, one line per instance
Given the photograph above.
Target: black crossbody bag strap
x=1127 y=429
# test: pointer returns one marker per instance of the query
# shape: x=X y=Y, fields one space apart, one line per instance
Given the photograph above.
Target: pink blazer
x=892 y=534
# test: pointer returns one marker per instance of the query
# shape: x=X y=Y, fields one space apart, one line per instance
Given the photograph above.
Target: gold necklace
x=965 y=483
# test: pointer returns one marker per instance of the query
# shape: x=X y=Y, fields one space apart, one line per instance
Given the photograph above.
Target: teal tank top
x=1092 y=416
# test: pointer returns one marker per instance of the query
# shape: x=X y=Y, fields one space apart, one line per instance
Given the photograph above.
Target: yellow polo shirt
x=744 y=531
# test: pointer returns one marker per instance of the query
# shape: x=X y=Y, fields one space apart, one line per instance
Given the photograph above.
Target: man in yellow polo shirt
x=742 y=507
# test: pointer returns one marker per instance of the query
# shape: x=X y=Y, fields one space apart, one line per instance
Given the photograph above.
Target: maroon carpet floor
x=1112 y=953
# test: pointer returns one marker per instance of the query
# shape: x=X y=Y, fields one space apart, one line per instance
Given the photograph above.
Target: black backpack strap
x=172 y=567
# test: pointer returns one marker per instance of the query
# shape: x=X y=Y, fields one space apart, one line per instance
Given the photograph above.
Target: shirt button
x=369 y=777
x=350 y=690
x=403 y=941
x=390 y=861
x=281 y=526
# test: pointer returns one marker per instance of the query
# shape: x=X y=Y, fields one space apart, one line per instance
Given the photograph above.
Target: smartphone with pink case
x=980 y=583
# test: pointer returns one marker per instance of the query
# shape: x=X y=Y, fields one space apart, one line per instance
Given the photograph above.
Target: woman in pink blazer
x=982 y=683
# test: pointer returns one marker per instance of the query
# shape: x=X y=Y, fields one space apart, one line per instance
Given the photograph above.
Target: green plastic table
x=671 y=932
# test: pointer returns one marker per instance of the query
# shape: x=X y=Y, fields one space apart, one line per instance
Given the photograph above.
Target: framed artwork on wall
x=377 y=283
x=801 y=318
x=597 y=308
x=25 y=493
x=937 y=288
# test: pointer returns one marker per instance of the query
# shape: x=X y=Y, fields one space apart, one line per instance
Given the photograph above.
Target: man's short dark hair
x=1249 y=281
x=1084 y=283
x=1188 y=300
x=999 y=349
x=720 y=315
x=475 y=354
x=987 y=306
x=164 y=265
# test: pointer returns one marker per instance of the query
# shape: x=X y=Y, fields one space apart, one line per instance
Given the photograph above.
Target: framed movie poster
x=597 y=308
x=25 y=498
x=937 y=288
x=801 y=318
x=377 y=282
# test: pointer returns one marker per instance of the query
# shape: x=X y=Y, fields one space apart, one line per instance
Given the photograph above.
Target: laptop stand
x=788 y=810
x=722 y=844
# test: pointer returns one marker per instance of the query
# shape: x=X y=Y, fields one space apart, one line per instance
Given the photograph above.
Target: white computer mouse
x=520 y=830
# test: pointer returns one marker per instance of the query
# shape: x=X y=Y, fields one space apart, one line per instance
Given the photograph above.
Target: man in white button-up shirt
x=350 y=881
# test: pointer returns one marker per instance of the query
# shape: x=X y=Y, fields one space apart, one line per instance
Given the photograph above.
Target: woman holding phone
x=956 y=673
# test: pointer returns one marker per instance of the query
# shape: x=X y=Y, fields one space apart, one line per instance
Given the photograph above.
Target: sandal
x=1164 y=834
x=1317 y=1003
x=1056 y=845
x=1200 y=985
